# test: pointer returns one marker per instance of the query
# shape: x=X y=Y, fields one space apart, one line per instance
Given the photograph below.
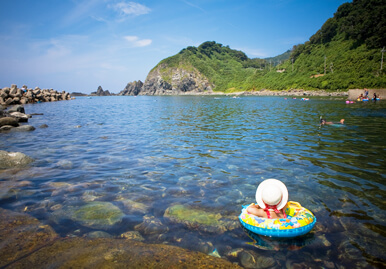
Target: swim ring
x=299 y=221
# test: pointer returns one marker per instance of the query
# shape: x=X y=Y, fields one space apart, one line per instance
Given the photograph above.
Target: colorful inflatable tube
x=299 y=221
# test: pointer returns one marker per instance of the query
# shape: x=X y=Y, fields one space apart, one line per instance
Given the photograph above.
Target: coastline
x=292 y=92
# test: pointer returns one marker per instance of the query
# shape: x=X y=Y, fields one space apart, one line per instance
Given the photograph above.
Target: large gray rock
x=9 y=121
x=24 y=128
x=17 y=108
x=13 y=159
x=133 y=88
x=21 y=117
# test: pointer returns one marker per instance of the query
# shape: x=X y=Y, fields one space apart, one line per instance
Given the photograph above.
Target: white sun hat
x=272 y=192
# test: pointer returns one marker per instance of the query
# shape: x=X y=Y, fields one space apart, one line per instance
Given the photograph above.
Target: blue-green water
x=209 y=153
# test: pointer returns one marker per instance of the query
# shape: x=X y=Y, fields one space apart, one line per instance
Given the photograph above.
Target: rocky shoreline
x=136 y=88
x=13 y=119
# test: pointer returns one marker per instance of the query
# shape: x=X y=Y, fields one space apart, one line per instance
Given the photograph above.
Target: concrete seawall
x=354 y=93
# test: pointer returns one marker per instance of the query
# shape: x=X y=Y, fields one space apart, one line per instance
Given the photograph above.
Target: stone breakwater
x=15 y=95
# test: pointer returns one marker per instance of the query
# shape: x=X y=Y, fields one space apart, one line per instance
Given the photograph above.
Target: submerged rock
x=12 y=188
x=97 y=215
x=133 y=235
x=151 y=225
x=13 y=159
x=250 y=259
x=98 y=234
x=198 y=219
x=135 y=207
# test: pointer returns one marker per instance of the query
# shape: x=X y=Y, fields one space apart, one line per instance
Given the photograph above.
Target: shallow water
x=209 y=154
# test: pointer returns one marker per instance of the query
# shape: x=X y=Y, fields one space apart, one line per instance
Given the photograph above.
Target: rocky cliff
x=132 y=88
x=166 y=80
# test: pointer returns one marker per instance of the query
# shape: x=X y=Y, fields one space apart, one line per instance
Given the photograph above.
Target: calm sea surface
x=145 y=154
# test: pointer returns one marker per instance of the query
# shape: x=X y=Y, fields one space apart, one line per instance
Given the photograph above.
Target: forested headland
x=345 y=53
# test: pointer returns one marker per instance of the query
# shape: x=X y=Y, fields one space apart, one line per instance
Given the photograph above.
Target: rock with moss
x=96 y=215
x=199 y=219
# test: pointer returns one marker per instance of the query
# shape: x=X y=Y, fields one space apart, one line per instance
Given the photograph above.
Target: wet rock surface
x=27 y=243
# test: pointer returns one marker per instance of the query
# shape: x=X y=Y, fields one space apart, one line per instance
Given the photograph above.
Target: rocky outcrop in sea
x=101 y=92
x=132 y=88
x=15 y=95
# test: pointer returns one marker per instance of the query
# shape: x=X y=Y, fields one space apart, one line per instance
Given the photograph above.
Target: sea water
x=146 y=154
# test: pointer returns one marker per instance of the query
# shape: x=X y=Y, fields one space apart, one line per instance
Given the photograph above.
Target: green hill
x=345 y=53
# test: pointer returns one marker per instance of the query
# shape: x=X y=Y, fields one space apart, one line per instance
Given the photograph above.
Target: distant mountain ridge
x=345 y=53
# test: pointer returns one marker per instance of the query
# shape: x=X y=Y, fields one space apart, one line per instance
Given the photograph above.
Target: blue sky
x=77 y=45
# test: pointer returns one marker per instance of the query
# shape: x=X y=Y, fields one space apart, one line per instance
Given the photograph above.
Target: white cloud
x=136 y=42
x=130 y=9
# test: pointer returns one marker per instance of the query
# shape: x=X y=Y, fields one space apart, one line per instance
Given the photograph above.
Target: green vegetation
x=345 y=53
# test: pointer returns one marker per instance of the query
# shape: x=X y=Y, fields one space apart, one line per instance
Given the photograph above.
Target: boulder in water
x=97 y=215
x=13 y=159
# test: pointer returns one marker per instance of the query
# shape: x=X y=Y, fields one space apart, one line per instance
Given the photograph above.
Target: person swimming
x=323 y=121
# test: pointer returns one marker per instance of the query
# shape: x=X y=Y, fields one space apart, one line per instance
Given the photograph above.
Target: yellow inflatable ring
x=299 y=221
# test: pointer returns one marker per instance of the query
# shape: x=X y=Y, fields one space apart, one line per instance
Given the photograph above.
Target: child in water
x=271 y=198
